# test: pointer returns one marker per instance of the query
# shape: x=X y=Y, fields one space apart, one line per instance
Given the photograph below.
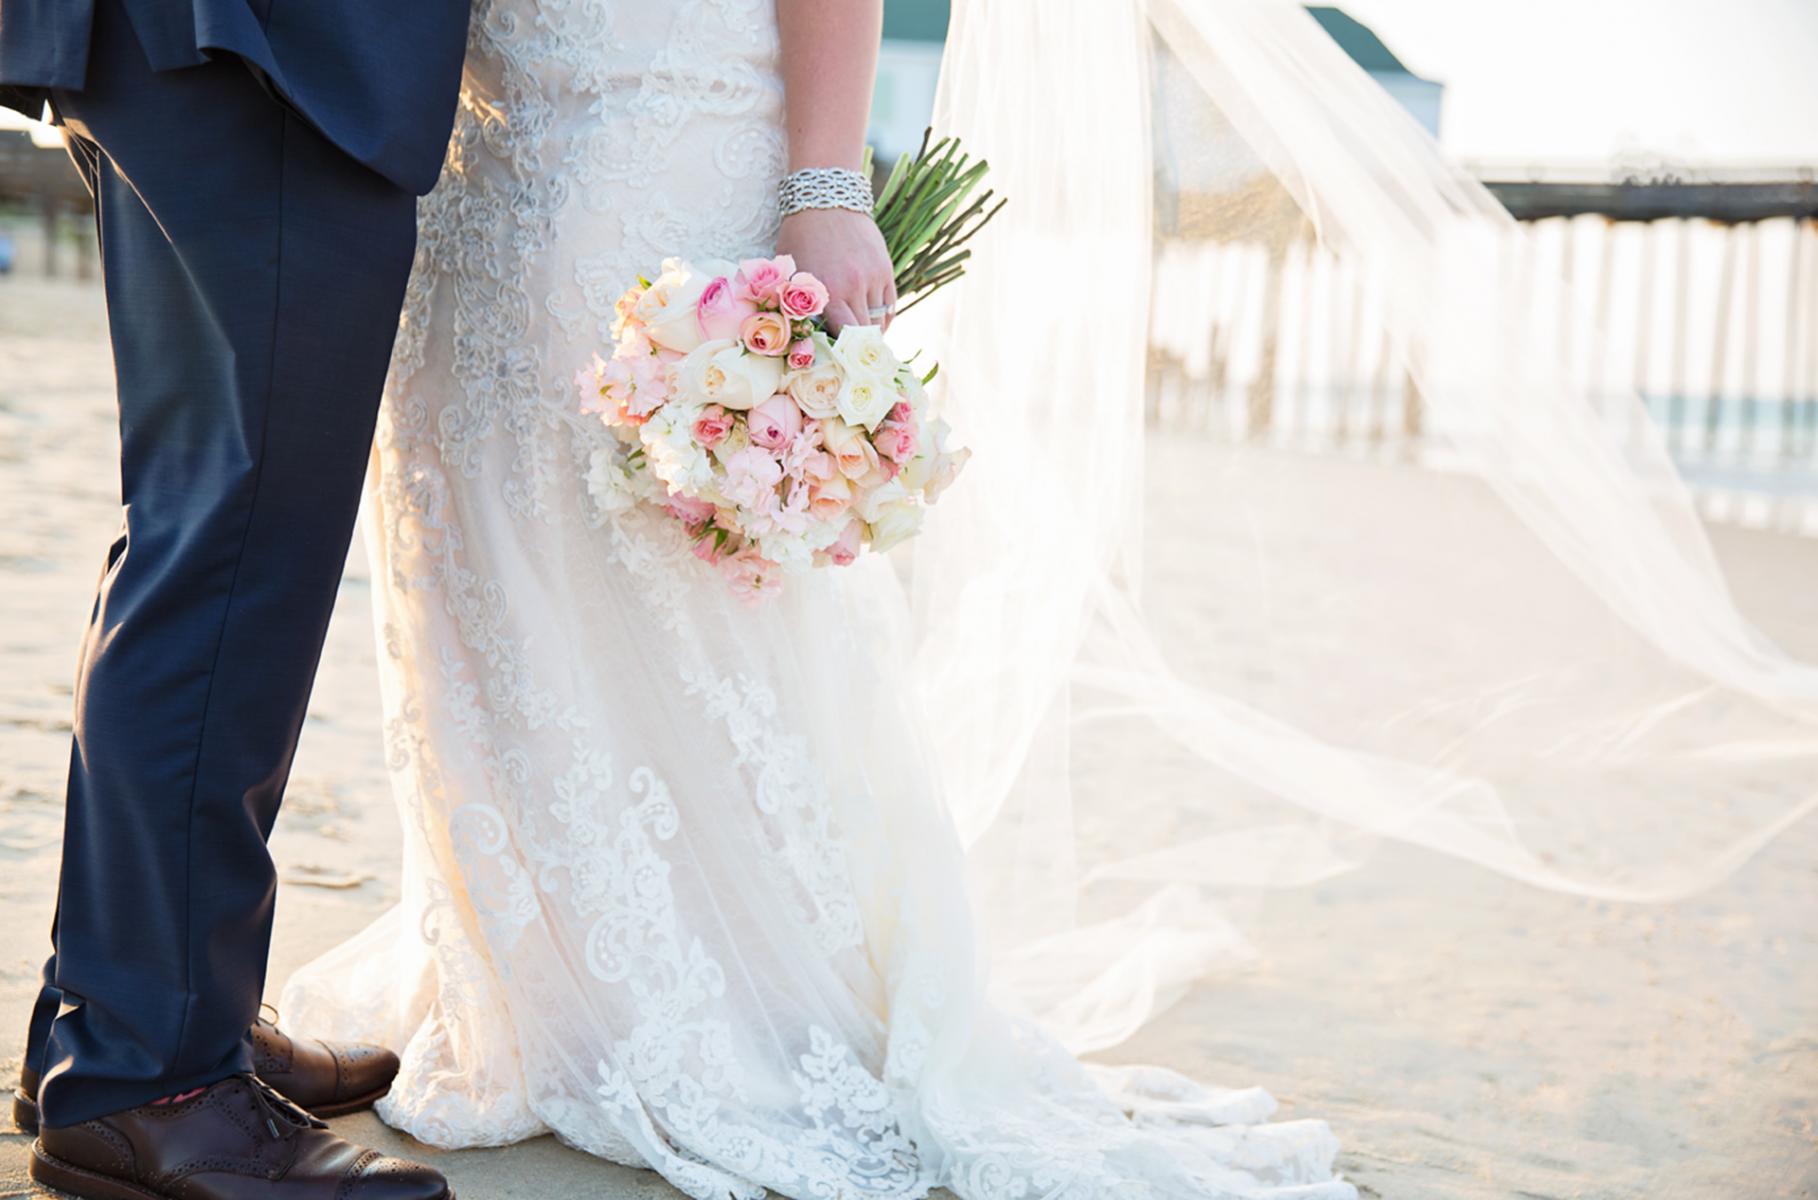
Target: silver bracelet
x=824 y=187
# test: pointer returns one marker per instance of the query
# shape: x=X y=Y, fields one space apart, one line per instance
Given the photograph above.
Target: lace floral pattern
x=677 y=886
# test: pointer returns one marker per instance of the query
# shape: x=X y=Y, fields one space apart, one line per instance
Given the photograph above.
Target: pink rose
x=722 y=310
x=765 y=333
x=712 y=426
x=803 y=296
x=774 y=423
x=759 y=278
x=690 y=511
x=902 y=413
x=895 y=441
x=801 y=355
x=845 y=549
x=751 y=576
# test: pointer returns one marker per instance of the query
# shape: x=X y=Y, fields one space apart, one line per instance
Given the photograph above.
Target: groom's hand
x=845 y=251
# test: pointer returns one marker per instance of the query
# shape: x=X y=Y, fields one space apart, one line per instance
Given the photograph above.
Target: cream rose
x=667 y=307
x=720 y=372
x=816 y=391
x=866 y=399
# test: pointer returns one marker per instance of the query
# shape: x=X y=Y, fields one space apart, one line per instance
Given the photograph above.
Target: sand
x=1466 y=1036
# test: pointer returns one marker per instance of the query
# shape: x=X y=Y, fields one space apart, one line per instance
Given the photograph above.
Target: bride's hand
x=845 y=251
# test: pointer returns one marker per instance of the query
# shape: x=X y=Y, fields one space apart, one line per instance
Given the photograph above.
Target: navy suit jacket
x=377 y=77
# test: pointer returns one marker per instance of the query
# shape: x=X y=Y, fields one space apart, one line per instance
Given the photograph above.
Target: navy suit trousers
x=254 y=274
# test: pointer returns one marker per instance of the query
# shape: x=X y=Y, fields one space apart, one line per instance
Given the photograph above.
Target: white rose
x=667 y=307
x=816 y=391
x=866 y=399
x=917 y=472
x=720 y=372
x=894 y=524
x=861 y=350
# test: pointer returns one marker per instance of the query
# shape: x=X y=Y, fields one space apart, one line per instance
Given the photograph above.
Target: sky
x=1582 y=81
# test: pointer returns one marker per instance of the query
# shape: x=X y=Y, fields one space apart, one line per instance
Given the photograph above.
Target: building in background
x=908 y=67
x=1422 y=97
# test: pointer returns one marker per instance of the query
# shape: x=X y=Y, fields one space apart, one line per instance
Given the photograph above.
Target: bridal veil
x=1499 y=632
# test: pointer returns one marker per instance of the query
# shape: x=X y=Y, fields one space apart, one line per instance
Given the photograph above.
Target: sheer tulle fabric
x=1507 y=640
x=680 y=880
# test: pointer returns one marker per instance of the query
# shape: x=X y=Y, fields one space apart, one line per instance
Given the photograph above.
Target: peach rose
x=765 y=333
x=828 y=498
x=852 y=451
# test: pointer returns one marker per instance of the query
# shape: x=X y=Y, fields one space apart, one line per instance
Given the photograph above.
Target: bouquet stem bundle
x=927 y=212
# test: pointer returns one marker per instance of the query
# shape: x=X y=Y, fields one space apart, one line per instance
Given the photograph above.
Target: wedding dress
x=820 y=898
x=679 y=885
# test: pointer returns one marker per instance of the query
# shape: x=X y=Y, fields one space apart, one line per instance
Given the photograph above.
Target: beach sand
x=1466 y=1036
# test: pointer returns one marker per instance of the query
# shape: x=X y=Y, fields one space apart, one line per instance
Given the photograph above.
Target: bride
x=803 y=899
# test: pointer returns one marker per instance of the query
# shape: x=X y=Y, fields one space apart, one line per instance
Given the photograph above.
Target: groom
x=254 y=165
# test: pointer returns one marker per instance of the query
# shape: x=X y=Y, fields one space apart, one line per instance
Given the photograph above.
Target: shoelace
x=275 y=1108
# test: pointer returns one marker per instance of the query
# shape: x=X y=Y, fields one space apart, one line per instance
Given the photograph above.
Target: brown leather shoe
x=25 y=1102
x=330 y=1079
x=238 y=1140
x=327 y=1078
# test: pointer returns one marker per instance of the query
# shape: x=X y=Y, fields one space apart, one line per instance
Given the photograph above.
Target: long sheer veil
x=1499 y=632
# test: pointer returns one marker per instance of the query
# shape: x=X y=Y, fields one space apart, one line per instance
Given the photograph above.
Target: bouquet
x=777 y=446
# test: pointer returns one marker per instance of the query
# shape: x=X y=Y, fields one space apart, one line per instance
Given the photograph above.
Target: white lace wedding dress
x=678 y=885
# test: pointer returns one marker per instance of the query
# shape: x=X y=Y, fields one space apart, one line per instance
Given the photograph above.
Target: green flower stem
x=927 y=212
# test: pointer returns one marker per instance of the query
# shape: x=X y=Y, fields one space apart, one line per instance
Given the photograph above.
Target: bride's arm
x=829 y=65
